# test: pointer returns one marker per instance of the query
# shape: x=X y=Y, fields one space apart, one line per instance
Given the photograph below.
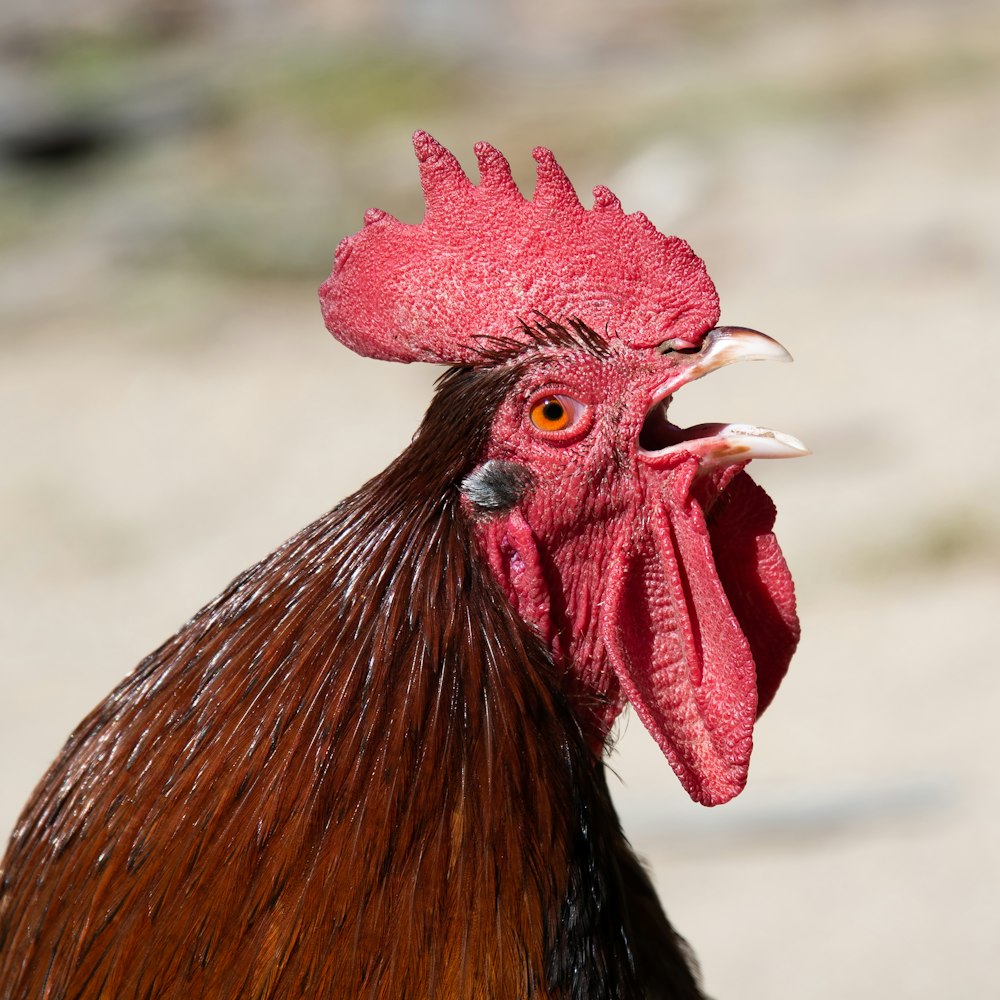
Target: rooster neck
x=353 y=774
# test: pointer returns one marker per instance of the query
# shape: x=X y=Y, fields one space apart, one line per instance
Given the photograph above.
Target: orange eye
x=555 y=413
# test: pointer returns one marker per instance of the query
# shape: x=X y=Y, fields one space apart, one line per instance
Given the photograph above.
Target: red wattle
x=701 y=627
x=756 y=579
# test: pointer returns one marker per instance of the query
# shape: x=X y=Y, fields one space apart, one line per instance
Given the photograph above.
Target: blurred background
x=174 y=177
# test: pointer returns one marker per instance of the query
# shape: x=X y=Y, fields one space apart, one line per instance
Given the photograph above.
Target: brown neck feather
x=351 y=775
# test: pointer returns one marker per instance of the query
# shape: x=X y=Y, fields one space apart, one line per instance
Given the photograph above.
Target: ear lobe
x=515 y=559
x=496 y=487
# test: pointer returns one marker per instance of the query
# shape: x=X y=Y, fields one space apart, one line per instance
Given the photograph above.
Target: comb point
x=605 y=200
x=374 y=215
x=553 y=187
x=425 y=145
x=441 y=175
x=643 y=221
x=494 y=170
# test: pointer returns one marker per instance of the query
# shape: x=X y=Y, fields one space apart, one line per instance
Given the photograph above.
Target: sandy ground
x=156 y=441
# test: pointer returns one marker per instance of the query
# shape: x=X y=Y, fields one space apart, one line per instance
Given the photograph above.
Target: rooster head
x=640 y=552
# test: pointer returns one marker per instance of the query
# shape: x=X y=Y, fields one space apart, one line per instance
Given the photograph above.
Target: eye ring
x=556 y=416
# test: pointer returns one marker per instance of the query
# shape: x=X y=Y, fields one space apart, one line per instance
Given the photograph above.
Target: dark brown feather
x=354 y=774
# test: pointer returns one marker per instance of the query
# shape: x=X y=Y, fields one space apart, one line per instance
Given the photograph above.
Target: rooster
x=373 y=767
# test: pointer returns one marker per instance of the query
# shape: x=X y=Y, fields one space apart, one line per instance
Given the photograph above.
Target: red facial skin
x=609 y=555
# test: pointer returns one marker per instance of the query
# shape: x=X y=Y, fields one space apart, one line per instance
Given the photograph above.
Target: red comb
x=484 y=258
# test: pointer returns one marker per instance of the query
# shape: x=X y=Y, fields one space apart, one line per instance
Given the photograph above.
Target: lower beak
x=723 y=444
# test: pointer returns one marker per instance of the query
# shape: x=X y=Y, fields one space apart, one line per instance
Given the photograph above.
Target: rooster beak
x=726 y=344
x=717 y=444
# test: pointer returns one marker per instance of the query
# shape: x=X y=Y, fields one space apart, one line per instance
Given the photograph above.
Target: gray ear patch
x=496 y=486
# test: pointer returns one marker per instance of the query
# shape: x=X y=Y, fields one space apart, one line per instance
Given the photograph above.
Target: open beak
x=715 y=444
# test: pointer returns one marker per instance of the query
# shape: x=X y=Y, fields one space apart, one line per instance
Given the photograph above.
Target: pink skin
x=609 y=557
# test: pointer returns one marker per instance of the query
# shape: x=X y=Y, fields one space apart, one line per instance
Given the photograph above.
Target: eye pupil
x=553 y=410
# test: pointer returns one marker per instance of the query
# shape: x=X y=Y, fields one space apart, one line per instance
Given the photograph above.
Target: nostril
x=679 y=346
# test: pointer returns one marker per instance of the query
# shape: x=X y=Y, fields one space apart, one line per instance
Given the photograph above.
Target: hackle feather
x=354 y=774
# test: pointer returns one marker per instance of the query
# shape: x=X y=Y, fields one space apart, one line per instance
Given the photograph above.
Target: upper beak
x=724 y=345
